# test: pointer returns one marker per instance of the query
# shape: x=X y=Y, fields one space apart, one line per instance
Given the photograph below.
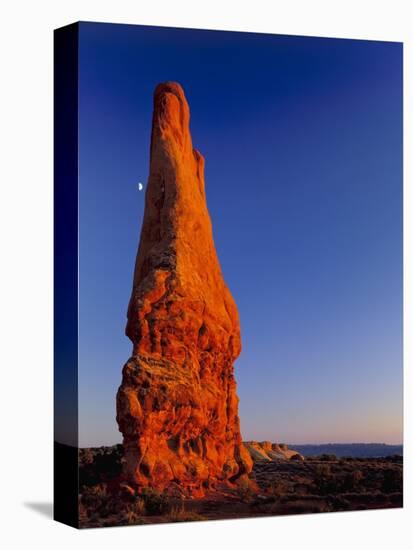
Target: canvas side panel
x=66 y=274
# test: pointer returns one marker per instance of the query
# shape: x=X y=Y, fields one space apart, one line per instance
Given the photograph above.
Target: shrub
x=244 y=490
x=278 y=488
x=133 y=518
x=351 y=481
x=392 y=481
x=132 y=513
x=328 y=457
x=94 y=496
x=155 y=502
x=325 y=482
x=178 y=513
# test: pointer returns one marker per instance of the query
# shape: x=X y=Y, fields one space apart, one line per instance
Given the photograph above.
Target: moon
x=140 y=186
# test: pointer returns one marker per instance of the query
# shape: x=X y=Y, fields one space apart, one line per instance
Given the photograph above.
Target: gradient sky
x=303 y=145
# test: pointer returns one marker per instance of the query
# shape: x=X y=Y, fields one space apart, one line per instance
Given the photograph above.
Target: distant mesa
x=177 y=405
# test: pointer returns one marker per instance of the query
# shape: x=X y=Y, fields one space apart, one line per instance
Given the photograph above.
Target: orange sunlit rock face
x=177 y=406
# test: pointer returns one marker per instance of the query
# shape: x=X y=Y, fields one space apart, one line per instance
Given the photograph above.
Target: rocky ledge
x=267 y=451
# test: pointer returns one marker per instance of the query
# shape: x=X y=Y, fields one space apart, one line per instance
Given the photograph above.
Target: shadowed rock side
x=177 y=406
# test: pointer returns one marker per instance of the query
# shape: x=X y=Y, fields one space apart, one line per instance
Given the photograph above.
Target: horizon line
x=276 y=442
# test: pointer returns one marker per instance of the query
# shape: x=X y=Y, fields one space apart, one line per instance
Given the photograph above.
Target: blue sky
x=303 y=145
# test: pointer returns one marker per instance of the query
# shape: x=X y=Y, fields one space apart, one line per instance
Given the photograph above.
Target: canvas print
x=238 y=242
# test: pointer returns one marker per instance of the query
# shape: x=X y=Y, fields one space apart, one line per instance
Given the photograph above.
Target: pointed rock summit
x=177 y=406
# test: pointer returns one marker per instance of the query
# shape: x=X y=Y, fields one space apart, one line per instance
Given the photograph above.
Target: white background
x=26 y=269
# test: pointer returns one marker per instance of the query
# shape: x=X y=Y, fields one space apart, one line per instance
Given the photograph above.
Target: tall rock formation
x=177 y=406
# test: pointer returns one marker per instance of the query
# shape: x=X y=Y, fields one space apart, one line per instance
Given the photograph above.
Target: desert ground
x=277 y=487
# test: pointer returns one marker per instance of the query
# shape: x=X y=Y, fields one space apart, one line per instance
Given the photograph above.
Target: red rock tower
x=177 y=406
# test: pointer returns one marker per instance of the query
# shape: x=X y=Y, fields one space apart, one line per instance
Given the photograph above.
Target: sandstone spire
x=177 y=406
